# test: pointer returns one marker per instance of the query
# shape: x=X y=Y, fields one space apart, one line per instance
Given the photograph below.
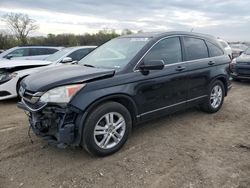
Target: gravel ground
x=188 y=149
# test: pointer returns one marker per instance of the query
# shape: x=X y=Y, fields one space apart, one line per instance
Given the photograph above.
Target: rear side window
x=79 y=54
x=51 y=50
x=41 y=51
x=195 y=48
x=214 y=50
x=168 y=50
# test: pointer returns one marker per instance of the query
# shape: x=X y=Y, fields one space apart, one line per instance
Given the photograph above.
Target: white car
x=12 y=72
x=226 y=46
x=29 y=52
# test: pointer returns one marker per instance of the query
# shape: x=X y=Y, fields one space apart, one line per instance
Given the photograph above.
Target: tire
x=98 y=128
x=210 y=105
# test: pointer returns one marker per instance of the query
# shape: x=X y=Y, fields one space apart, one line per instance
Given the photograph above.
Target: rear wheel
x=215 y=97
x=106 y=129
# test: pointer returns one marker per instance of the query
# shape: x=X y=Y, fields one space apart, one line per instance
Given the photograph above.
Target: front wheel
x=106 y=129
x=215 y=97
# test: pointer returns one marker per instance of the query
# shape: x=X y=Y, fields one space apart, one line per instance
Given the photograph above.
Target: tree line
x=8 y=41
x=20 y=26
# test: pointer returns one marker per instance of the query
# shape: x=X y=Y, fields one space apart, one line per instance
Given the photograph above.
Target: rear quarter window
x=195 y=48
x=42 y=51
x=214 y=50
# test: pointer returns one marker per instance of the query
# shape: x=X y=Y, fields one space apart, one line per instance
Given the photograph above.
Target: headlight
x=61 y=94
x=5 y=76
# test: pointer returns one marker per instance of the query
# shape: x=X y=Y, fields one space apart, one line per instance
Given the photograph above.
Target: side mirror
x=67 y=60
x=9 y=56
x=152 y=65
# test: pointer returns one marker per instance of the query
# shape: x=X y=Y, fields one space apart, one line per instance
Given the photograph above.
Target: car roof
x=165 y=34
x=82 y=47
x=54 y=47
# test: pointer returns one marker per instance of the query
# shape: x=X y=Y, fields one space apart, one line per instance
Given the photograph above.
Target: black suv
x=126 y=81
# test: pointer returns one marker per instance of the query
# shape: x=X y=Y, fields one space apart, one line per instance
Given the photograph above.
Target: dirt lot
x=188 y=149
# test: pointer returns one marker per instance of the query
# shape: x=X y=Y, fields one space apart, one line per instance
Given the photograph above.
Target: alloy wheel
x=216 y=96
x=109 y=130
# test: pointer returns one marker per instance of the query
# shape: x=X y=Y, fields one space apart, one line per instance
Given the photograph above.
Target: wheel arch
x=19 y=81
x=223 y=79
x=123 y=99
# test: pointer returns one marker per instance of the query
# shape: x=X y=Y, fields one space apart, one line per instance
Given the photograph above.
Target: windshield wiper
x=87 y=65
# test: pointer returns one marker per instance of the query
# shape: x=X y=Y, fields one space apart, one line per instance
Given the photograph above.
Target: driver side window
x=168 y=50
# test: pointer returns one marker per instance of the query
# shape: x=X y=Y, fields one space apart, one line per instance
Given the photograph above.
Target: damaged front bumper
x=59 y=125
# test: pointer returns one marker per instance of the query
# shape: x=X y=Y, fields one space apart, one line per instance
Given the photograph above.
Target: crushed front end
x=55 y=123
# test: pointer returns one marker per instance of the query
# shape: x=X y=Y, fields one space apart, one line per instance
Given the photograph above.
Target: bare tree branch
x=21 y=25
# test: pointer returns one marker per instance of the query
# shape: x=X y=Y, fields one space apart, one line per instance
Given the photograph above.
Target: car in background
x=126 y=81
x=29 y=52
x=11 y=73
x=238 y=49
x=226 y=47
x=240 y=66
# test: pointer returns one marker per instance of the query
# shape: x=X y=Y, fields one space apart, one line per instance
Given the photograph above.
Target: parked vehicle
x=126 y=81
x=29 y=52
x=226 y=47
x=237 y=49
x=11 y=73
x=240 y=66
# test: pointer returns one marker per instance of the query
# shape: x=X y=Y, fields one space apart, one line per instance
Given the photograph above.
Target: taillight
x=232 y=65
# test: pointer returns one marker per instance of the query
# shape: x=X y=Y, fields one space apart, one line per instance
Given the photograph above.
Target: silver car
x=29 y=52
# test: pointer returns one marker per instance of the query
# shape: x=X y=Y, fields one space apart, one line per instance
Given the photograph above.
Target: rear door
x=39 y=53
x=197 y=56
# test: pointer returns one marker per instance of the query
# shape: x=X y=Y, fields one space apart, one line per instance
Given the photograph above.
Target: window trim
x=135 y=69
x=223 y=53
x=194 y=37
x=181 y=49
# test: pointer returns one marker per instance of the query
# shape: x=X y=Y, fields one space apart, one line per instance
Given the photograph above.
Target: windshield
x=247 y=51
x=56 y=56
x=116 y=53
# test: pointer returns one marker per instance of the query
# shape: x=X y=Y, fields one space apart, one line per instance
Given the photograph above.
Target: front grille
x=30 y=97
x=35 y=106
x=243 y=71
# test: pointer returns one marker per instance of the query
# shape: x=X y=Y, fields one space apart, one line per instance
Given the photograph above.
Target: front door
x=162 y=91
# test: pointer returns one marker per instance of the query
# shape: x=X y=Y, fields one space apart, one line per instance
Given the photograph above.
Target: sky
x=227 y=19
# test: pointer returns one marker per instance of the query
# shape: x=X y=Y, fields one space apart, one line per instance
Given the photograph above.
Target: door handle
x=180 y=68
x=211 y=62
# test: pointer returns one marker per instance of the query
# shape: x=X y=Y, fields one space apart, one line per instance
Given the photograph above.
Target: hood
x=237 y=50
x=9 y=64
x=243 y=58
x=63 y=75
